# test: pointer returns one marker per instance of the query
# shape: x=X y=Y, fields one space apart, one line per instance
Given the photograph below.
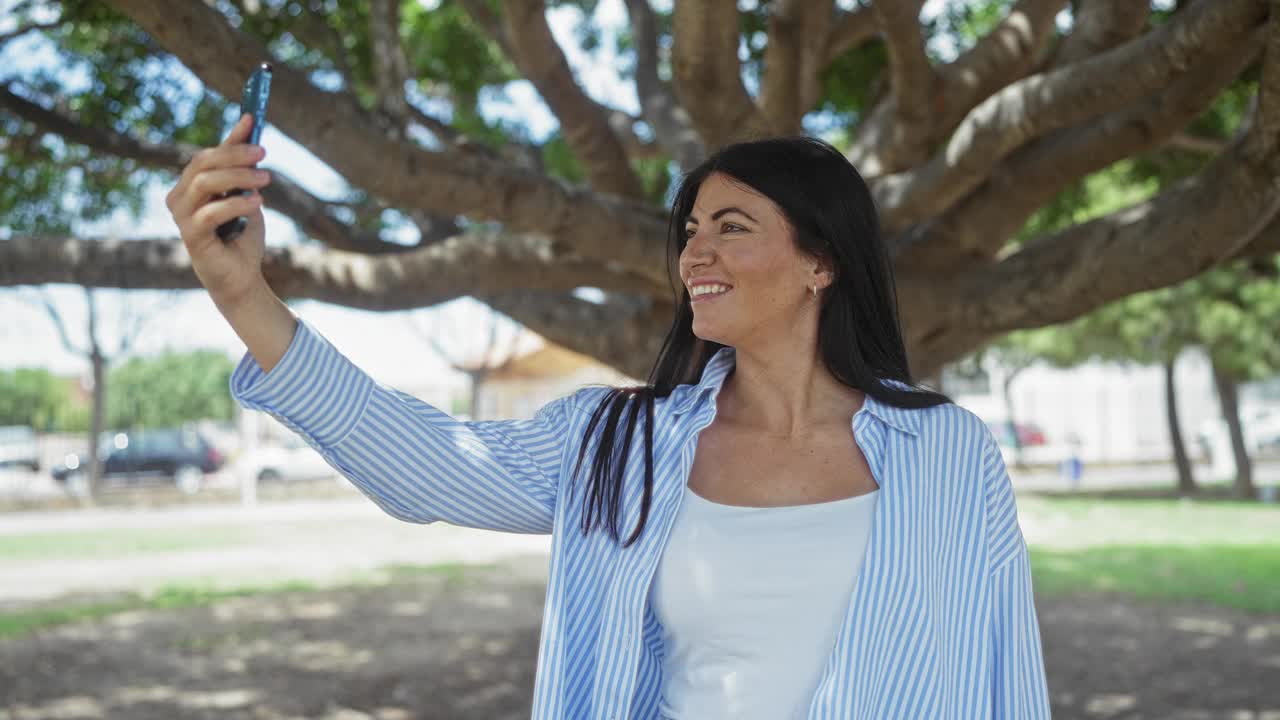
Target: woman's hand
x=228 y=270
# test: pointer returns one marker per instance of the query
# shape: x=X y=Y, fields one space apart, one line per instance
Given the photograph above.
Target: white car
x=19 y=447
x=289 y=461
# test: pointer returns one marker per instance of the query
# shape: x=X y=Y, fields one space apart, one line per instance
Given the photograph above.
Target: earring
x=815 y=292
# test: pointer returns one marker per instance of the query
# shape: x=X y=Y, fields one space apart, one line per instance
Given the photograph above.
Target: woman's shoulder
x=953 y=426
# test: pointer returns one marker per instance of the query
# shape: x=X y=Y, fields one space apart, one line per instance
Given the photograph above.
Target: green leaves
x=169 y=389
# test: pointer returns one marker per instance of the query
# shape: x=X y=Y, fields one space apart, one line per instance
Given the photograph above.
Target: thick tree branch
x=443 y=132
x=708 y=75
x=850 y=30
x=1204 y=220
x=1266 y=244
x=1098 y=26
x=391 y=69
x=912 y=81
x=283 y=195
x=671 y=124
x=793 y=62
x=624 y=332
x=1002 y=56
x=619 y=122
x=1006 y=54
x=334 y=127
x=1043 y=103
x=1197 y=143
x=465 y=265
x=1263 y=130
x=980 y=225
x=583 y=121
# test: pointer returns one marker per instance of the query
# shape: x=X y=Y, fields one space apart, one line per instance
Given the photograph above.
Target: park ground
x=1149 y=608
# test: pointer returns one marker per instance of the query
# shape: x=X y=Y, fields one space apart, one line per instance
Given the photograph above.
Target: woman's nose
x=694 y=253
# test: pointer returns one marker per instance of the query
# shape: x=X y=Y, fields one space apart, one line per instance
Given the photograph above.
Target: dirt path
x=434 y=647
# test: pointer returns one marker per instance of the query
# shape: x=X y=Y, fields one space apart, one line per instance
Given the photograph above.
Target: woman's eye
x=730 y=225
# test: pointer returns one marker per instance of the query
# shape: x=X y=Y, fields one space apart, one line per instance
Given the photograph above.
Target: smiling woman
x=781 y=422
x=812 y=535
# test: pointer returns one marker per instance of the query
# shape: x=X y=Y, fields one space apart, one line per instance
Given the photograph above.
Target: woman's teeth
x=710 y=290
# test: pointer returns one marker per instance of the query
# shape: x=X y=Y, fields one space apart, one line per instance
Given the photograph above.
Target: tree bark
x=583 y=121
x=1186 y=478
x=1019 y=460
x=405 y=175
x=1229 y=400
x=97 y=424
x=708 y=75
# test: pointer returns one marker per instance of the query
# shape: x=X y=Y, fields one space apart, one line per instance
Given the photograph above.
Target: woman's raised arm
x=415 y=461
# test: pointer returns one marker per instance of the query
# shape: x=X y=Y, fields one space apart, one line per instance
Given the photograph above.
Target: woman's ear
x=824 y=274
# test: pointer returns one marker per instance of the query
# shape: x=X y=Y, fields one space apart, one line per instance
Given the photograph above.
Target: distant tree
x=34 y=397
x=129 y=326
x=170 y=389
x=1232 y=312
x=501 y=341
x=1013 y=359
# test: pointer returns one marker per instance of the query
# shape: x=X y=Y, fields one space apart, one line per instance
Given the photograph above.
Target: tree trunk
x=1013 y=425
x=96 y=423
x=1228 y=397
x=1186 y=480
x=477 y=378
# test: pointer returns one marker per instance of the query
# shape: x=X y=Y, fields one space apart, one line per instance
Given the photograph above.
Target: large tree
x=961 y=148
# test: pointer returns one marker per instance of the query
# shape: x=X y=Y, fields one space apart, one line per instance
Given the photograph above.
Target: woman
x=811 y=536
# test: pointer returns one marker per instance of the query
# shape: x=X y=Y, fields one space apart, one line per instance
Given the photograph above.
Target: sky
x=381 y=343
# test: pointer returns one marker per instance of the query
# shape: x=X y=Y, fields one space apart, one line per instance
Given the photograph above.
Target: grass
x=200 y=594
x=116 y=542
x=1239 y=576
x=1222 y=552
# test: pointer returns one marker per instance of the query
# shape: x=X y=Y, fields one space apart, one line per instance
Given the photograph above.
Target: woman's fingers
x=191 y=190
x=213 y=184
x=240 y=131
x=213 y=214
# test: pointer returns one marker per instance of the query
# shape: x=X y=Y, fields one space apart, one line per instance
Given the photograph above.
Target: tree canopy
x=971 y=128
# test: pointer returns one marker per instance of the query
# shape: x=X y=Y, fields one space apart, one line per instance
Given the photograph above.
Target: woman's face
x=739 y=238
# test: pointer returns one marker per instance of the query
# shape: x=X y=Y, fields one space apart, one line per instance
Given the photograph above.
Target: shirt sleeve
x=415 y=461
x=1019 y=689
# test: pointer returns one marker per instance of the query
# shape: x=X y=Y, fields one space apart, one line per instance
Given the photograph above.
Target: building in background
x=520 y=386
x=1116 y=412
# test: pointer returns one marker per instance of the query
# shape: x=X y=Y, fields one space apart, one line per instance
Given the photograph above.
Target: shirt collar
x=718 y=367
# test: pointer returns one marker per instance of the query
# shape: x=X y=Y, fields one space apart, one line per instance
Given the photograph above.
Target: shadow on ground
x=465 y=648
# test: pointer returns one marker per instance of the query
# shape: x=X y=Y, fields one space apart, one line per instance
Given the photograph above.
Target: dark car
x=180 y=456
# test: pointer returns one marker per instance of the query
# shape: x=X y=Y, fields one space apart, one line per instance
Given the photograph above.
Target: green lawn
x=117 y=542
x=1240 y=576
x=1221 y=552
x=207 y=592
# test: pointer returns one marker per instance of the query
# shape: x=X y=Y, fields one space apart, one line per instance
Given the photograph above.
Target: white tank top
x=751 y=600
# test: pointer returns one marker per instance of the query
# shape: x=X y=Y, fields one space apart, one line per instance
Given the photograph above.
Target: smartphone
x=254 y=100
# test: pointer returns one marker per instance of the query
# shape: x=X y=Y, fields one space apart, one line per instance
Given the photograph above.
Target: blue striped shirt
x=942 y=622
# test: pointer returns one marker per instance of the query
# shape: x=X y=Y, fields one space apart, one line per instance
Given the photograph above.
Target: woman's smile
x=708 y=297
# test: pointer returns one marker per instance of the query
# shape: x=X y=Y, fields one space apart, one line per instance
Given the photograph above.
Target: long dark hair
x=831 y=210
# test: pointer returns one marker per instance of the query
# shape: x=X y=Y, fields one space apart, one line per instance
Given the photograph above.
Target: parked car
x=291 y=459
x=181 y=456
x=1260 y=427
x=18 y=448
x=1028 y=434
